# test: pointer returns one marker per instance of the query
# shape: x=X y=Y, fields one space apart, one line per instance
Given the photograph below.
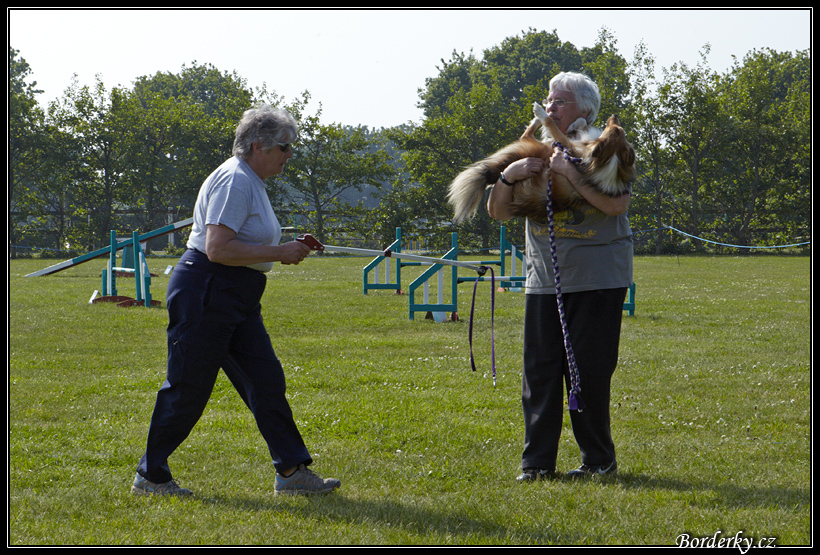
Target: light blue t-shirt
x=234 y=196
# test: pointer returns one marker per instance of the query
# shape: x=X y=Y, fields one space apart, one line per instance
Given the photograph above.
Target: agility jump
x=106 y=251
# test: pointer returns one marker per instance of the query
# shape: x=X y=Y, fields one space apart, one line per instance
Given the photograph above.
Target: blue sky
x=364 y=66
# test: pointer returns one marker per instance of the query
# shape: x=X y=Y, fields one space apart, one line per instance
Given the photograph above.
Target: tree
x=758 y=98
x=694 y=130
x=329 y=161
x=94 y=118
x=26 y=146
x=472 y=125
x=791 y=199
x=604 y=65
x=183 y=127
x=219 y=99
x=649 y=204
x=529 y=60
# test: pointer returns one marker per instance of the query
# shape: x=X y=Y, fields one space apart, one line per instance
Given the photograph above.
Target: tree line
x=726 y=157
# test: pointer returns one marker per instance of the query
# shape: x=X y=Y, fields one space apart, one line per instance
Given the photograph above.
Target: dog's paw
x=539 y=111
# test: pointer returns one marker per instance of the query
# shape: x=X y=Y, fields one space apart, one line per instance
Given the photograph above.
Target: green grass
x=710 y=407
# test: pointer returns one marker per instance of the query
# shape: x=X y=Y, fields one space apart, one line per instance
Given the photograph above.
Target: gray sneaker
x=142 y=486
x=532 y=474
x=304 y=482
x=593 y=471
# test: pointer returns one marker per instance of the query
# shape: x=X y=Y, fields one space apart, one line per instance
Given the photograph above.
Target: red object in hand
x=311 y=242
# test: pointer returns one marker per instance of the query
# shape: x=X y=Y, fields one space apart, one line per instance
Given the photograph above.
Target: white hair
x=585 y=90
x=266 y=125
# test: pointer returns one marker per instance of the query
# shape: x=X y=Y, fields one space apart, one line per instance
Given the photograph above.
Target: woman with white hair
x=594 y=248
x=215 y=318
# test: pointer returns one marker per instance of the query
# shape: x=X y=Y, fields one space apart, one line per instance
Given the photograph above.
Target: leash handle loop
x=492 y=321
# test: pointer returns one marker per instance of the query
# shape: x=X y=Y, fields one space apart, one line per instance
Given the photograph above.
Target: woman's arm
x=222 y=247
x=611 y=206
x=498 y=204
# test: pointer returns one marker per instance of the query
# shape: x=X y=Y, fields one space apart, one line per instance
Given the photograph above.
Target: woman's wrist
x=505 y=181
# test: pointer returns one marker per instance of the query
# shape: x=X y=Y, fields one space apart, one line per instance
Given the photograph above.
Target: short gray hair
x=585 y=90
x=266 y=125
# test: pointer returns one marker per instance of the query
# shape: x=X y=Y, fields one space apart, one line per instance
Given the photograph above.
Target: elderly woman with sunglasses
x=215 y=318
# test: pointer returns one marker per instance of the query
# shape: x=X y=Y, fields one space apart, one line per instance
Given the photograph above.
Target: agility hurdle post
x=109 y=279
x=629 y=304
x=140 y=271
x=373 y=267
x=515 y=256
x=423 y=281
x=505 y=279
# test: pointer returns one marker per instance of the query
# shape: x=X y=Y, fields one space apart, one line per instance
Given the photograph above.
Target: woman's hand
x=611 y=206
x=222 y=247
x=524 y=169
x=498 y=205
x=560 y=165
x=293 y=252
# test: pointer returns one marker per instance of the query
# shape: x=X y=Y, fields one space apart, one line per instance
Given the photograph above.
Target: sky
x=364 y=66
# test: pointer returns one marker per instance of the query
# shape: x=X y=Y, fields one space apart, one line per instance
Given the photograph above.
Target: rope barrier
x=722 y=244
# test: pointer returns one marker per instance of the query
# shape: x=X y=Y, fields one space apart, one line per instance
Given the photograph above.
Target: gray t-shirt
x=594 y=252
x=234 y=196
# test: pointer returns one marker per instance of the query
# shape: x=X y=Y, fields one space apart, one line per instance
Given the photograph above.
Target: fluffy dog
x=607 y=163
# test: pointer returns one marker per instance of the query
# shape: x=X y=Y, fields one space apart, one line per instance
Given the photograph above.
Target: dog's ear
x=599 y=151
x=605 y=146
x=629 y=155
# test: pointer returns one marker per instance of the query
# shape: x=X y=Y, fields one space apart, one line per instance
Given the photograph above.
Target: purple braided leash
x=575 y=402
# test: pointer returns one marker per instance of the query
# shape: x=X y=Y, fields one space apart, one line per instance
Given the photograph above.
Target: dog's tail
x=467 y=190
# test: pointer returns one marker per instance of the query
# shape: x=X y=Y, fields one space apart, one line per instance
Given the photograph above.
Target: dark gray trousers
x=594 y=322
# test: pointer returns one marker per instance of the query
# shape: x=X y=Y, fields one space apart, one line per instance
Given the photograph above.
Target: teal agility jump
x=106 y=251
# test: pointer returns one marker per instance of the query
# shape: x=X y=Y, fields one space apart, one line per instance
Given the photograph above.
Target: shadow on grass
x=453 y=526
x=428 y=525
x=729 y=495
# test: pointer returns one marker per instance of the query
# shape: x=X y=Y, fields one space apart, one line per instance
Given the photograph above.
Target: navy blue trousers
x=594 y=322
x=215 y=321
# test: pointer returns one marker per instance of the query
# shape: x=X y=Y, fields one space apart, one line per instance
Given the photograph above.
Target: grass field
x=711 y=417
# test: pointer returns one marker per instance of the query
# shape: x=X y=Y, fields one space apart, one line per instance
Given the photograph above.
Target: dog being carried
x=607 y=163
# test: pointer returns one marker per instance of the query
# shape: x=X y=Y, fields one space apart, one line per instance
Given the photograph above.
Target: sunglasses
x=284 y=147
x=558 y=103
